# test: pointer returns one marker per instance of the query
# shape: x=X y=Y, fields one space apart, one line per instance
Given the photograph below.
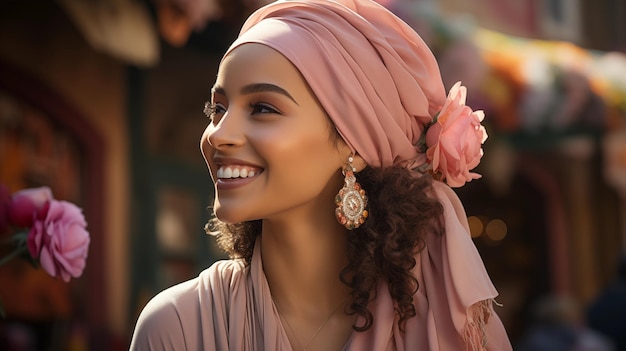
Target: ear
x=359 y=163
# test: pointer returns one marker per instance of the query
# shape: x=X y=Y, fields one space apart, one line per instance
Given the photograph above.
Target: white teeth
x=228 y=173
x=234 y=172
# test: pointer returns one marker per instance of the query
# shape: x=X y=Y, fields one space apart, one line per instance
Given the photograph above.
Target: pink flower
x=25 y=204
x=59 y=240
x=455 y=141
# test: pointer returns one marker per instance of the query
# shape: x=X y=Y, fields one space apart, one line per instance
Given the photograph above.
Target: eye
x=263 y=108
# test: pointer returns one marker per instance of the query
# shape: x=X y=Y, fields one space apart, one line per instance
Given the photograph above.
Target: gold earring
x=351 y=200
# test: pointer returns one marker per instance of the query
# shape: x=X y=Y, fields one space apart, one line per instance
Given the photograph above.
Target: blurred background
x=102 y=101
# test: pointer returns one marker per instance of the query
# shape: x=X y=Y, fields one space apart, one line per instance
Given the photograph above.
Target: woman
x=327 y=121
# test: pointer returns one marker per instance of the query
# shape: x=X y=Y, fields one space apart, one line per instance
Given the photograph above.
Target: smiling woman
x=329 y=195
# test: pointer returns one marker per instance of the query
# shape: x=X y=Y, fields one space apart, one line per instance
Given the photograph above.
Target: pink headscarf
x=395 y=84
x=378 y=81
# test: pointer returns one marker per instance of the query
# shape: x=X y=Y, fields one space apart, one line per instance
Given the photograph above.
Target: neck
x=302 y=263
x=302 y=260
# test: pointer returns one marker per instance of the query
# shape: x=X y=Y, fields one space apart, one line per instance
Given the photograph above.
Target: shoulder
x=224 y=273
x=175 y=316
x=160 y=326
x=220 y=280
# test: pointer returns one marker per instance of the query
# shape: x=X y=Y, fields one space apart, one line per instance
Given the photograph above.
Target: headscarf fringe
x=475 y=335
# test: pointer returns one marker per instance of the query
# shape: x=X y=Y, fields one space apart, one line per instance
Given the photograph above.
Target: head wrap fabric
x=375 y=77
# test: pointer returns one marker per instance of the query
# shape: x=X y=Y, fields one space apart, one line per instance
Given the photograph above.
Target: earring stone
x=351 y=200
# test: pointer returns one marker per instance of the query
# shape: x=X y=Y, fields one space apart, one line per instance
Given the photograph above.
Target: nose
x=227 y=133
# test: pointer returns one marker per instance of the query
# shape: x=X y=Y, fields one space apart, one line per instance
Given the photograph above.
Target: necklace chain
x=303 y=348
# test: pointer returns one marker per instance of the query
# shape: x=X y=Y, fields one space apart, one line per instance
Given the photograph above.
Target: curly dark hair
x=401 y=214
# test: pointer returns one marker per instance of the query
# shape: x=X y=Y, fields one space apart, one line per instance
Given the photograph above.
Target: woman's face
x=269 y=147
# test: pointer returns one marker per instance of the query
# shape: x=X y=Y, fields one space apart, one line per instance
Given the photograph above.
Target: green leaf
x=18 y=251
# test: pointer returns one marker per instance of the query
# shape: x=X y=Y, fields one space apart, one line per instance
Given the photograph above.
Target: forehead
x=253 y=63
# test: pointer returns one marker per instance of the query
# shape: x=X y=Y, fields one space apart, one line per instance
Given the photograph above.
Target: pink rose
x=59 y=240
x=25 y=204
x=455 y=141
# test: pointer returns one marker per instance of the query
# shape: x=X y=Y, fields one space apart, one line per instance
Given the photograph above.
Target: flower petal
x=59 y=238
x=455 y=141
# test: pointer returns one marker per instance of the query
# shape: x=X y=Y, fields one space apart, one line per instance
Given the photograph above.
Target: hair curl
x=401 y=214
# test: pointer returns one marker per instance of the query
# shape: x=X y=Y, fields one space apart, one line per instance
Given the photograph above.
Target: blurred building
x=102 y=101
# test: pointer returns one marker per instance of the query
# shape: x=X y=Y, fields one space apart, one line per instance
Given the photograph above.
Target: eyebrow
x=257 y=88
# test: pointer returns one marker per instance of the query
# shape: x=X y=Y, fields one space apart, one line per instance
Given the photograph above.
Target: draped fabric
x=229 y=305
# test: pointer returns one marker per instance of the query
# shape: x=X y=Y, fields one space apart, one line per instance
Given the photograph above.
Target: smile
x=237 y=171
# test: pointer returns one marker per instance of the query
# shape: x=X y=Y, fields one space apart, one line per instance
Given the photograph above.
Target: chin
x=230 y=216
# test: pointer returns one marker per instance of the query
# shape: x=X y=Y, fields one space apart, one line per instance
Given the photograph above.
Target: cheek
x=304 y=156
x=293 y=146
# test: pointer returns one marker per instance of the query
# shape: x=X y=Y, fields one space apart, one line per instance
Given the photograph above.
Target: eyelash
x=255 y=107
x=211 y=109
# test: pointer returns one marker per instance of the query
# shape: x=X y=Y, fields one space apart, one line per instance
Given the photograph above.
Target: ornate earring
x=351 y=200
